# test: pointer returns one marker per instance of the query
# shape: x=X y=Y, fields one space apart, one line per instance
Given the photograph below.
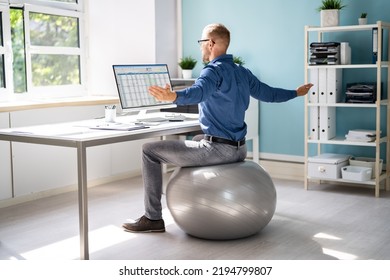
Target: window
x=48 y=57
x=2 y=77
x=5 y=52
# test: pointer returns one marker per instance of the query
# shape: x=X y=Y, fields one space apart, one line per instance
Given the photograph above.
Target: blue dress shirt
x=222 y=91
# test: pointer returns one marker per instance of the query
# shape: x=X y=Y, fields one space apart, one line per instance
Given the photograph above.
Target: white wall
x=128 y=31
x=166 y=35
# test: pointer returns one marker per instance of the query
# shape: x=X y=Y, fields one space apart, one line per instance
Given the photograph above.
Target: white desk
x=78 y=135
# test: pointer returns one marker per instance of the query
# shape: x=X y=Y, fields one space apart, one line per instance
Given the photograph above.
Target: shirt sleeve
x=200 y=91
x=266 y=93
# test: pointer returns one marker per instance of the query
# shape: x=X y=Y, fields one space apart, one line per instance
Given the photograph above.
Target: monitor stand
x=142 y=114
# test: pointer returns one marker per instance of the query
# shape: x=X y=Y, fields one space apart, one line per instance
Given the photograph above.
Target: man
x=222 y=92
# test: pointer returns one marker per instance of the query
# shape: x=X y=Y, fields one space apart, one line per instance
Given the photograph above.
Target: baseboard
x=284 y=170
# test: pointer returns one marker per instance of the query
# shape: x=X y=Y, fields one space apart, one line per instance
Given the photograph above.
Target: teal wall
x=269 y=36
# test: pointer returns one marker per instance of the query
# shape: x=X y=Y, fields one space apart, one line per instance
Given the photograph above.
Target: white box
x=327 y=166
x=366 y=162
x=356 y=173
x=345 y=53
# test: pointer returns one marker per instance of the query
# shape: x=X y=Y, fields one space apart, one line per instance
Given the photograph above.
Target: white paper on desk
x=50 y=130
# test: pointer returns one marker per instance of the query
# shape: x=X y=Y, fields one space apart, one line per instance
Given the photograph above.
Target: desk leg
x=83 y=200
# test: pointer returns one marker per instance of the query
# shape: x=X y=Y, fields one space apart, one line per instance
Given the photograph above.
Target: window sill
x=10 y=106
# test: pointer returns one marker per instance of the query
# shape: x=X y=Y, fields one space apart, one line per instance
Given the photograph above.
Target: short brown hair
x=219 y=31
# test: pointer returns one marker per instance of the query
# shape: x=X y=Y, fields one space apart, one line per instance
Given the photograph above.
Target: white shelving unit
x=380 y=107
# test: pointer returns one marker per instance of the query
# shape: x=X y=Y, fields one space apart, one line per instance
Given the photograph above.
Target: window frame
x=6 y=51
x=79 y=6
x=51 y=8
x=58 y=90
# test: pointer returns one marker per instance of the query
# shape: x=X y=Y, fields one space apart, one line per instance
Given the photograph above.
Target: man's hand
x=304 y=89
x=163 y=94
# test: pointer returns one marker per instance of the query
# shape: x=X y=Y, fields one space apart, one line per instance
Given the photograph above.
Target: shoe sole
x=144 y=231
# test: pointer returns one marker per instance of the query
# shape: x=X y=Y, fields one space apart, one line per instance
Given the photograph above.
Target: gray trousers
x=179 y=153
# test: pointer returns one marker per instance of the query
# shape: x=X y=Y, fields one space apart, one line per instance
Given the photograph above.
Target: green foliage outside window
x=52 y=30
x=45 y=31
x=17 y=38
x=49 y=70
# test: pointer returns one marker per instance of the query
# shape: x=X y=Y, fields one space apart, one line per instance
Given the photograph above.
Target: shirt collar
x=222 y=57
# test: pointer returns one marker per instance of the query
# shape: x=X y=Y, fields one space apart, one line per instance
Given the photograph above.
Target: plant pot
x=187 y=73
x=330 y=17
x=362 y=21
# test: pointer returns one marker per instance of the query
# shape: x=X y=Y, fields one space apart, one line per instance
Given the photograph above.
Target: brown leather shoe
x=144 y=224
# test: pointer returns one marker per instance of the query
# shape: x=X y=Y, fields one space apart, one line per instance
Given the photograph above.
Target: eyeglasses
x=205 y=40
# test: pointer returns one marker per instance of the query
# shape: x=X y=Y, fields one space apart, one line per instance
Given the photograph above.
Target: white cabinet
x=318 y=109
x=5 y=162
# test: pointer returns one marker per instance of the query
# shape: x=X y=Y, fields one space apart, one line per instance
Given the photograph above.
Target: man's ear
x=211 y=44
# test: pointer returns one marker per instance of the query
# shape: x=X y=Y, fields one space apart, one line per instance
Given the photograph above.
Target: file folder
x=314 y=123
x=333 y=86
x=322 y=85
x=313 y=78
x=374 y=45
x=327 y=123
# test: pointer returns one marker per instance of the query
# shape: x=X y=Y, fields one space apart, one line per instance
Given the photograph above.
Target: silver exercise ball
x=221 y=202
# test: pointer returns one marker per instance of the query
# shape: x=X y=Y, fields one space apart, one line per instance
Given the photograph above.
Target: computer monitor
x=133 y=82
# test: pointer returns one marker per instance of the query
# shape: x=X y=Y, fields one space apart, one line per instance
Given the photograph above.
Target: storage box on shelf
x=356 y=173
x=327 y=166
x=326 y=95
x=366 y=162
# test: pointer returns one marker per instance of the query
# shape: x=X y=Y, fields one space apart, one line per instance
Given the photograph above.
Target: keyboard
x=171 y=118
x=176 y=118
x=117 y=126
x=152 y=119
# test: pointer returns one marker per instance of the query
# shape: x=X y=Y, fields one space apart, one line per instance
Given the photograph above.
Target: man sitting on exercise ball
x=222 y=91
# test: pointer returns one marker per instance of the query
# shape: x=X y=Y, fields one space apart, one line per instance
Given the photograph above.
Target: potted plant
x=363 y=19
x=330 y=12
x=187 y=63
x=238 y=60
